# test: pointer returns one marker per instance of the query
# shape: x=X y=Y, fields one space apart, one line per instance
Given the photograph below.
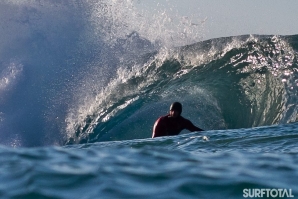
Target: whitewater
x=82 y=83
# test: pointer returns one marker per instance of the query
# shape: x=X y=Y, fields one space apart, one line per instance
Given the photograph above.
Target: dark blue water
x=185 y=166
x=82 y=83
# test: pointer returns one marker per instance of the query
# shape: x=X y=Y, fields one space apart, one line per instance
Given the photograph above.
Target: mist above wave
x=55 y=56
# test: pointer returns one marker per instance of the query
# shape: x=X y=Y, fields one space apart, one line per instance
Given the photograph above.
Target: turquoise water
x=82 y=83
x=225 y=83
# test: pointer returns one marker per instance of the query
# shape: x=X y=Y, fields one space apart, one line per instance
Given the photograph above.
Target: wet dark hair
x=177 y=106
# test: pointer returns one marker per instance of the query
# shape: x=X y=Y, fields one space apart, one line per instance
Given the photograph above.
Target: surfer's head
x=176 y=109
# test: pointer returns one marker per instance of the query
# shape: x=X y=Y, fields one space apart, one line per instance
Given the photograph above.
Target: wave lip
x=235 y=82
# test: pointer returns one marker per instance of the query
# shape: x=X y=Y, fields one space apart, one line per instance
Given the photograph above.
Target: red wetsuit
x=172 y=126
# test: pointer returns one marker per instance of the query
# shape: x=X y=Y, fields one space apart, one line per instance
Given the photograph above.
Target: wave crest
x=236 y=82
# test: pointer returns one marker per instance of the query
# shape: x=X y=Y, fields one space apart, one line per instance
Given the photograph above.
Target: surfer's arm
x=191 y=127
x=159 y=128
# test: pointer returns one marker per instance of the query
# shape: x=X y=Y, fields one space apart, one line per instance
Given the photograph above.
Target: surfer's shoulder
x=183 y=119
x=162 y=118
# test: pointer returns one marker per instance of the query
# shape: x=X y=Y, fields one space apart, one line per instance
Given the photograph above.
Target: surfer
x=173 y=123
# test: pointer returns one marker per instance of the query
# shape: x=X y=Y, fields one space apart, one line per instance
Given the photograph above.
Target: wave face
x=225 y=83
x=79 y=72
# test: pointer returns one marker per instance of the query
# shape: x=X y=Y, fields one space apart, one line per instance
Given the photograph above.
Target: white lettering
x=280 y=192
x=285 y=192
x=251 y=193
x=268 y=191
x=245 y=193
x=274 y=195
x=291 y=196
x=260 y=193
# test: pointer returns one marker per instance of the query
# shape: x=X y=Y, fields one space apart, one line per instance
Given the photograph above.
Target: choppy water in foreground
x=185 y=166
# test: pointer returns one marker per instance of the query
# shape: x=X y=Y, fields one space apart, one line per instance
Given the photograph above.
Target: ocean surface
x=82 y=83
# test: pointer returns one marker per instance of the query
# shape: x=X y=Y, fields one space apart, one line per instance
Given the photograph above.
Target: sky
x=234 y=17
